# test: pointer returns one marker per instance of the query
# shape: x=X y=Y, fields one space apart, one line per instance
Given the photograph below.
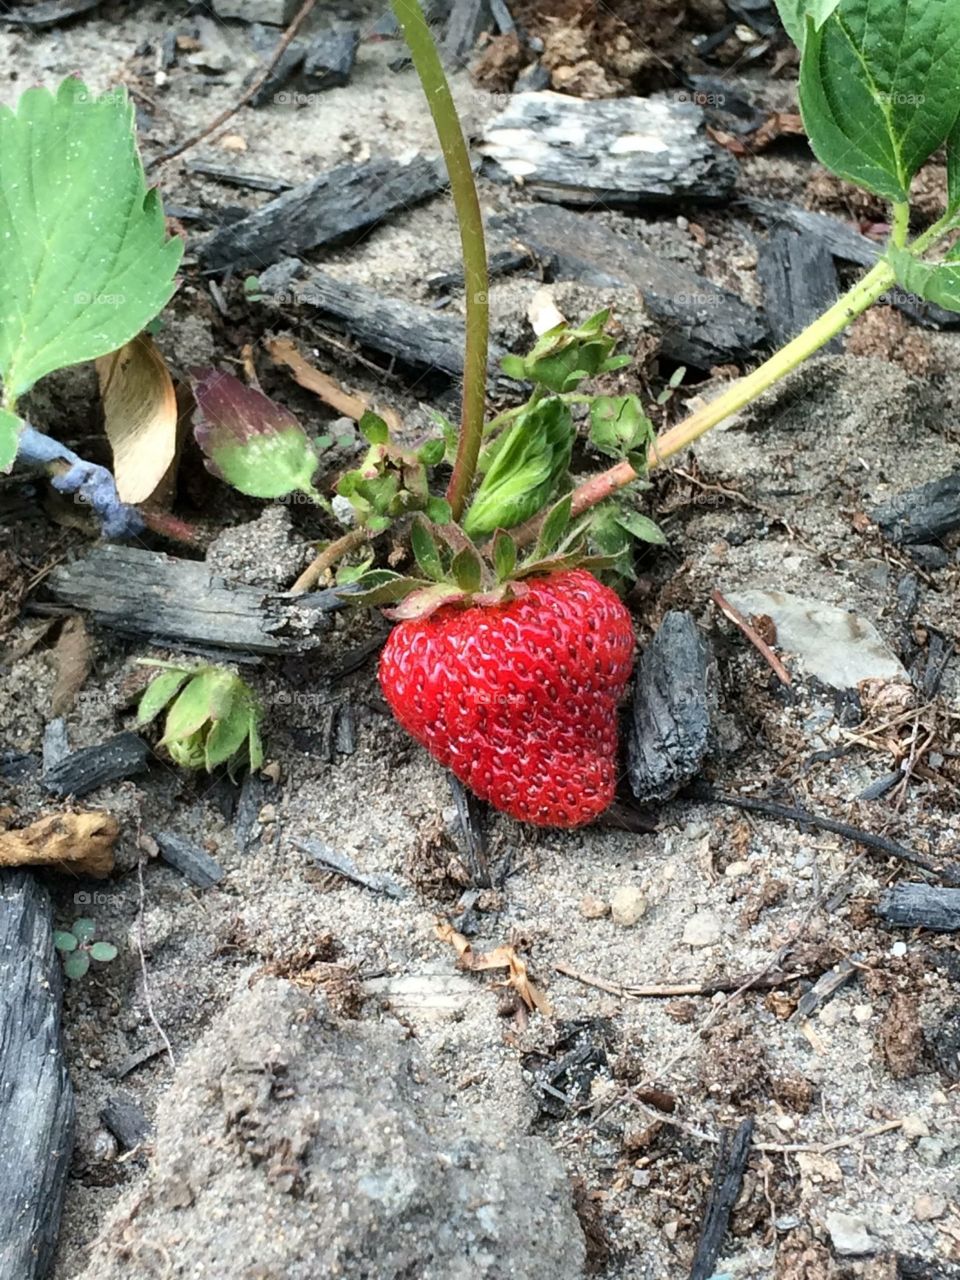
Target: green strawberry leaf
x=878 y=88
x=76 y=965
x=10 y=428
x=618 y=425
x=425 y=550
x=530 y=462
x=938 y=282
x=255 y=747
x=158 y=693
x=87 y=263
x=250 y=441
x=504 y=555
x=64 y=941
x=84 y=929
x=194 y=707
x=793 y=15
x=438 y=510
x=104 y=952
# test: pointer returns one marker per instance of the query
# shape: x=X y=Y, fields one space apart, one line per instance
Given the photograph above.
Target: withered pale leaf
x=140 y=416
x=503 y=957
x=285 y=352
x=73 y=655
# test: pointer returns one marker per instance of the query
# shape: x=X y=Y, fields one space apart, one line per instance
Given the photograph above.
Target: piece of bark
x=827 y=985
x=249 y=181
x=799 y=282
x=36 y=1097
x=623 y=152
x=922 y=515
x=914 y=905
x=193 y=863
x=122 y=756
x=468 y=20
x=144 y=593
x=699 y=323
x=339 y=864
x=80 y=842
x=473 y=839
x=125 y=1119
x=328 y=62
x=669 y=733
x=73 y=657
x=402 y=330
x=327 y=210
x=847 y=244
x=727 y=1181
x=48 y=13
x=501 y=262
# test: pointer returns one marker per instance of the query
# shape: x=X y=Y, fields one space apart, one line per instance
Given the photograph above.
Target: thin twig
x=328 y=558
x=758 y=642
x=298 y=20
x=880 y=844
x=143 y=966
x=763 y=981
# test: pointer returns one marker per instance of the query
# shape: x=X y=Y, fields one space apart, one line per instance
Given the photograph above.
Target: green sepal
x=383 y=586
x=438 y=510
x=504 y=555
x=618 y=425
x=227 y=735
x=642 y=528
x=467 y=569
x=423 y=601
x=425 y=550
x=373 y=428
x=555 y=525
x=159 y=692
x=431 y=454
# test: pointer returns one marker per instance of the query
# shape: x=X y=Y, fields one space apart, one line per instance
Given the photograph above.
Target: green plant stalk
x=429 y=68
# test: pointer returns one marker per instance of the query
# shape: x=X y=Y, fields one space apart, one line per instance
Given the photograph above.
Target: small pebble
x=786 y=1124
x=268 y=813
x=592 y=908
x=736 y=869
x=931 y=1151
x=928 y=1208
x=627 y=906
x=898 y=949
x=915 y=1126
x=702 y=929
x=862 y=1013
x=849 y=1235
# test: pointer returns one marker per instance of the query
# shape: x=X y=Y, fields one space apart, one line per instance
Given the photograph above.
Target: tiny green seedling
x=78 y=945
x=212 y=716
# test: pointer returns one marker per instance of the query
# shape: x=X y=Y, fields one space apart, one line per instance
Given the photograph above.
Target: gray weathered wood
x=925 y=514
x=623 y=152
x=915 y=905
x=48 y=13
x=181 y=602
x=670 y=734
x=194 y=863
x=728 y=1174
x=799 y=282
x=700 y=324
x=468 y=19
x=324 y=211
x=36 y=1097
x=847 y=244
x=405 y=331
x=80 y=772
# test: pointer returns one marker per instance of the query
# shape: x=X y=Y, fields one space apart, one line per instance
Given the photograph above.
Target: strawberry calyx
x=453 y=570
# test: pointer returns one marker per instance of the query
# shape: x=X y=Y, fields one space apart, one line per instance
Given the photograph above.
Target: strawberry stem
x=429 y=68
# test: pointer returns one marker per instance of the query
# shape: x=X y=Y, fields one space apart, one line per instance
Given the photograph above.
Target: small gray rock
x=277 y=12
x=703 y=929
x=850 y=1235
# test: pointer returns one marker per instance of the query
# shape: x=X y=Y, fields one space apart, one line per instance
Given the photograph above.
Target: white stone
x=702 y=929
x=627 y=906
x=850 y=1235
x=927 y=1208
x=737 y=869
x=915 y=1126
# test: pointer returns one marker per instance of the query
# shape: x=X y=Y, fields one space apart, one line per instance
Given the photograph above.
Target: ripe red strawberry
x=520 y=699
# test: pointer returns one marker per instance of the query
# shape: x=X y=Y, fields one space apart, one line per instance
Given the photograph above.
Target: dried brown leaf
x=503 y=957
x=73 y=656
x=140 y=416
